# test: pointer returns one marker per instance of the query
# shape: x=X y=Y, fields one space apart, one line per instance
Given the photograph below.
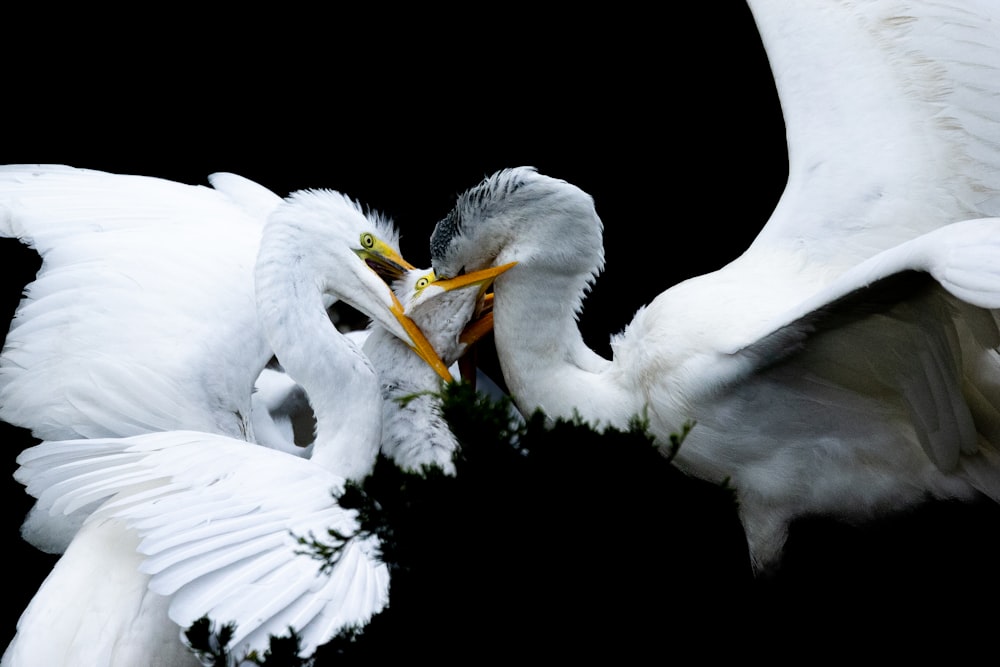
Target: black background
x=670 y=121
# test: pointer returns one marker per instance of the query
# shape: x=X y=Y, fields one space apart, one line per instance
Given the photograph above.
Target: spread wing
x=141 y=317
x=887 y=329
x=218 y=521
x=891 y=117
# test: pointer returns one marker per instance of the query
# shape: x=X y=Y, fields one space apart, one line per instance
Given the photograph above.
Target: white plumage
x=414 y=432
x=846 y=363
x=210 y=525
x=156 y=308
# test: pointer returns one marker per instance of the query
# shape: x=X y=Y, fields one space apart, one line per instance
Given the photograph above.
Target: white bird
x=156 y=307
x=211 y=511
x=142 y=317
x=846 y=363
x=453 y=316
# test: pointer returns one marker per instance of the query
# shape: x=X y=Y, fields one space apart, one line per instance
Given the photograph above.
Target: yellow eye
x=367 y=241
x=424 y=282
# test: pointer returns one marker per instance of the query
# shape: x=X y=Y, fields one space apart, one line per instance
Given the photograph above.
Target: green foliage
x=211 y=647
x=328 y=553
x=550 y=535
x=207 y=644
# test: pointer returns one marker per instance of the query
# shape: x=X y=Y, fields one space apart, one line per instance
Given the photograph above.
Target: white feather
x=821 y=375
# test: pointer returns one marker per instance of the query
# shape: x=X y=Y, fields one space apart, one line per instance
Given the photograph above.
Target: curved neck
x=341 y=384
x=545 y=361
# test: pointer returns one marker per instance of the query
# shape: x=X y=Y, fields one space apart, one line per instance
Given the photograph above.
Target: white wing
x=892 y=363
x=142 y=315
x=885 y=323
x=892 y=120
x=217 y=521
x=961 y=257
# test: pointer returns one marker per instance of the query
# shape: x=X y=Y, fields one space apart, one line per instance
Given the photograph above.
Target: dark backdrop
x=670 y=121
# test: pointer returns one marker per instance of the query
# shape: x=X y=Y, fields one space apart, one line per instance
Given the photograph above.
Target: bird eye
x=424 y=282
x=367 y=241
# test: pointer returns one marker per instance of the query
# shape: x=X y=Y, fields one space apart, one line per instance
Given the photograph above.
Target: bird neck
x=545 y=361
x=340 y=383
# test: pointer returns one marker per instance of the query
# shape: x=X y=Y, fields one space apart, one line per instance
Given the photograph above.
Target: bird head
x=519 y=215
x=329 y=240
x=382 y=258
x=454 y=313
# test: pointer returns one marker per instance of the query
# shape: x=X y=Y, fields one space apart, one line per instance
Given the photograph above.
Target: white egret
x=846 y=363
x=183 y=536
x=142 y=316
x=453 y=316
x=213 y=513
x=170 y=264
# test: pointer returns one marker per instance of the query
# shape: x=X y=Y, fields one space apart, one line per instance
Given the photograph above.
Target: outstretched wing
x=885 y=328
x=142 y=316
x=891 y=117
x=218 y=522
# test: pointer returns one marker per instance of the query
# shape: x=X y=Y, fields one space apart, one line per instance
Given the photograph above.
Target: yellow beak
x=384 y=261
x=482 y=318
x=419 y=342
x=389 y=265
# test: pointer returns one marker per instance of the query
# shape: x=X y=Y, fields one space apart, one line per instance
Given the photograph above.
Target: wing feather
x=145 y=289
x=895 y=103
x=889 y=327
x=217 y=521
